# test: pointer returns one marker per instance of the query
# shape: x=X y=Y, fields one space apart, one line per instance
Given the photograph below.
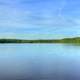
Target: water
x=39 y=62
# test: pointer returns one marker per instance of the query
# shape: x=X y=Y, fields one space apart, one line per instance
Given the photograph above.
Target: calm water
x=39 y=62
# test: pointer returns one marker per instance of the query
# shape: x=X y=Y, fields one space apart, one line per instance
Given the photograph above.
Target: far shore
x=64 y=40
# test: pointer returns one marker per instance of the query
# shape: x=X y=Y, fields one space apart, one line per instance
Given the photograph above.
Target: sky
x=39 y=18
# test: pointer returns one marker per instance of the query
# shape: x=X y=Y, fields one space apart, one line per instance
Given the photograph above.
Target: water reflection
x=39 y=62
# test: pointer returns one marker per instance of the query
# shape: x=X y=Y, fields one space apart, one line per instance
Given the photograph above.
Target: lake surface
x=39 y=62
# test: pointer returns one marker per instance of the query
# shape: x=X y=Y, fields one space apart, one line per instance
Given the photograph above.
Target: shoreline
x=64 y=40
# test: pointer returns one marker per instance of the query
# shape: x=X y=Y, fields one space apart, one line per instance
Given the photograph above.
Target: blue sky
x=39 y=18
